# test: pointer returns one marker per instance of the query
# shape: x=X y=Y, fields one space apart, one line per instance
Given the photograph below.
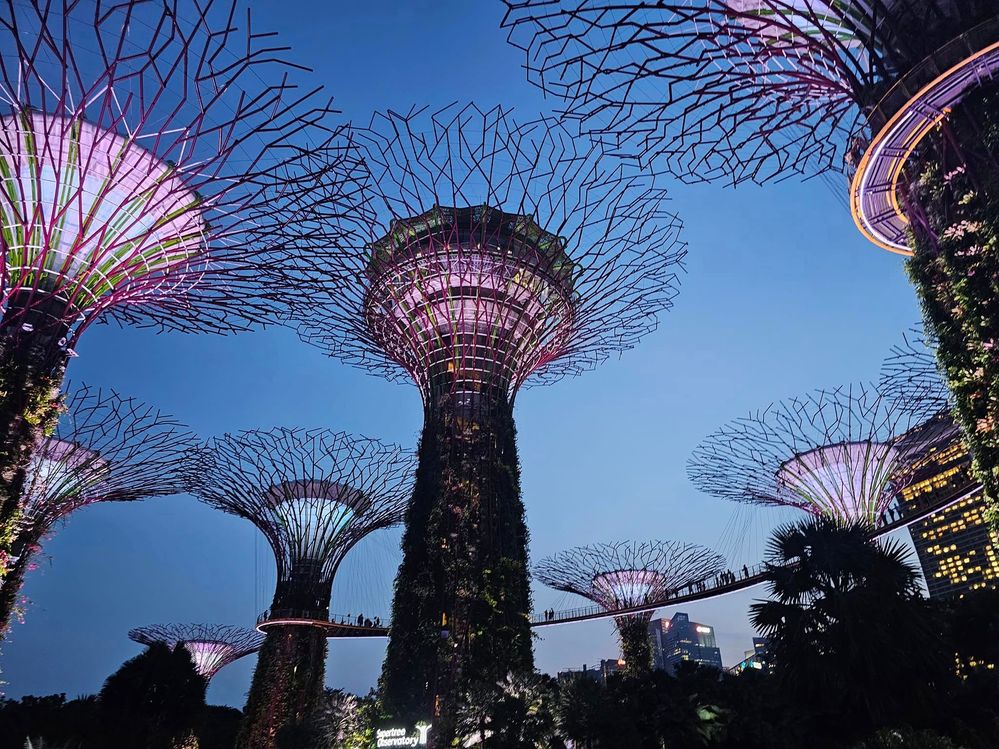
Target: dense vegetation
x=858 y=660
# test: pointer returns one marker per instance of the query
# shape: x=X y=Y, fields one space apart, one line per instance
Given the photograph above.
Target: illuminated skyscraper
x=954 y=545
x=679 y=639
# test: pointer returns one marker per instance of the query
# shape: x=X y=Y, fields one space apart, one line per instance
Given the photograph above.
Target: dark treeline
x=858 y=659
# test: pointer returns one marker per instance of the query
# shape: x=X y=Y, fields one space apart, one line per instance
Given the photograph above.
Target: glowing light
x=61 y=471
x=702 y=629
x=470 y=297
x=849 y=481
x=624 y=588
x=88 y=210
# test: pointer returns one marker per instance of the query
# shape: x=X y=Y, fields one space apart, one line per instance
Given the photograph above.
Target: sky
x=781 y=295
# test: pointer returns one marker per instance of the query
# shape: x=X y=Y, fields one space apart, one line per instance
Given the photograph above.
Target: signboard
x=392 y=737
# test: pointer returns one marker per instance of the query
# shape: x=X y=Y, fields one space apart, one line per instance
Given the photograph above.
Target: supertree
x=911 y=372
x=212 y=646
x=626 y=574
x=314 y=494
x=833 y=453
x=500 y=254
x=150 y=173
x=105 y=448
x=899 y=94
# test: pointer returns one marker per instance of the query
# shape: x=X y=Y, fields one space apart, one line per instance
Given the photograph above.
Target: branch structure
x=912 y=373
x=314 y=494
x=900 y=94
x=830 y=453
x=625 y=574
x=742 y=90
x=105 y=448
x=212 y=646
x=500 y=254
x=153 y=172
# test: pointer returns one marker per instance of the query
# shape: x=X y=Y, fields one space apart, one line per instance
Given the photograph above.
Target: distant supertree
x=313 y=494
x=150 y=173
x=831 y=453
x=500 y=254
x=626 y=574
x=900 y=94
x=105 y=448
x=212 y=646
x=911 y=372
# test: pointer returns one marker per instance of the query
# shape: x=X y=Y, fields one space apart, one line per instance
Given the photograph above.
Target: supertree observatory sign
x=387 y=737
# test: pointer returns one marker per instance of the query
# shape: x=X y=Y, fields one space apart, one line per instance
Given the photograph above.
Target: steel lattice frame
x=106 y=448
x=499 y=254
x=154 y=170
x=911 y=373
x=152 y=160
x=743 y=90
x=584 y=246
x=313 y=494
x=212 y=646
x=831 y=452
x=625 y=574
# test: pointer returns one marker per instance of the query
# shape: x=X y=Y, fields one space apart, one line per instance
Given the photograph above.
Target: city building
x=954 y=546
x=679 y=639
x=755 y=658
x=598 y=673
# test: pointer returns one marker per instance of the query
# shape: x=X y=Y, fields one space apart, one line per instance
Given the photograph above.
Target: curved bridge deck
x=338 y=627
x=909 y=111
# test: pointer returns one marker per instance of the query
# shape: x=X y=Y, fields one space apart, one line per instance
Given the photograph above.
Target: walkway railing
x=345 y=626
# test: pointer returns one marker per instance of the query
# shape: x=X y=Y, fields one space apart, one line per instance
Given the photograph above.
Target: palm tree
x=852 y=640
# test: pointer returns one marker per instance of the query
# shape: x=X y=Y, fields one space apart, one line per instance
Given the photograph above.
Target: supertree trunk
x=462 y=599
x=11 y=585
x=32 y=366
x=953 y=206
x=287 y=684
x=636 y=646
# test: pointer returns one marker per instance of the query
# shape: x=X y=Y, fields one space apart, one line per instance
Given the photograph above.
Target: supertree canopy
x=105 y=448
x=500 y=254
x=151 y=172
x=627 y=574
x=899 y=94
x=212 y=646
x=313 y=494
x=831 y=453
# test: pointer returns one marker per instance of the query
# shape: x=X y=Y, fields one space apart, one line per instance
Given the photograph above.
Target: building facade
x=954 y=546
x=597 y=673
x=755 y=658
x=678 y=639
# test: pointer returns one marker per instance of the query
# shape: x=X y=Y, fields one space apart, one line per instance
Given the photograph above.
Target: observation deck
x=910 y=110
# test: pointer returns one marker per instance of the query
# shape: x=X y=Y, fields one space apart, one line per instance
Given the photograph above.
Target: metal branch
x=730 y=89
x=154 y=160
x=313 y=493
x=212 y=646
x=106 y=448
x=495 y=253
x=625 y=574
x=832 y=452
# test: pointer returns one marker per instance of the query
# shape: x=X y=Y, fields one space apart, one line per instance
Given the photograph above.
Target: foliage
x=636 y=646
x=516 y=712
x=156 y=700
x=460 y=613
x=906 y=738
x=953 y=201
x=287 y=687
x=850 y=610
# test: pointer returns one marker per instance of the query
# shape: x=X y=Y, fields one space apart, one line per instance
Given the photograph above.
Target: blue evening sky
x=782 y=295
